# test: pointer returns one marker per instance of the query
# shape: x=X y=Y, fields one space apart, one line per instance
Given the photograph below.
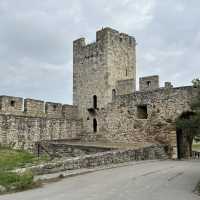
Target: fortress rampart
x=144 y=116
x=106 y=106
x=24 y=122
x=36 y=108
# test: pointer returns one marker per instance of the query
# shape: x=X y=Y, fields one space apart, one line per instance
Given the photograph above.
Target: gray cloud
x=36 y=41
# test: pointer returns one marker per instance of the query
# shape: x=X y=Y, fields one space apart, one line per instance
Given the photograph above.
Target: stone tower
x=102 y=70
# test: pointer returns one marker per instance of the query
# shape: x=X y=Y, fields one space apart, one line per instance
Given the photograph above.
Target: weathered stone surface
x=119 y=121
x=149 y=83
x=99 y=159
x=98 y=66
x=64 y=149
x=22 y=127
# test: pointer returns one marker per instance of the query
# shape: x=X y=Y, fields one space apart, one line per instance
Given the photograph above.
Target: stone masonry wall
x=120 y=122
x=101 y=159
x=149 y=83
x=22 y=126
x=65 y=149
x=98 y=66
x=124 y=87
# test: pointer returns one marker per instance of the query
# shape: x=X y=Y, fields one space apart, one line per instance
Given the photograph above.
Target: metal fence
x=195 y=155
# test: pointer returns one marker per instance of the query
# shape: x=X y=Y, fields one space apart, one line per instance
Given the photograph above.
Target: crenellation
x=53 y=109
x=11 y=104
x=70 y=111
x=108 y=35
x=22 y=127
x=34 y=107
x=149 y=83
x=103 y=34
x=79 y=43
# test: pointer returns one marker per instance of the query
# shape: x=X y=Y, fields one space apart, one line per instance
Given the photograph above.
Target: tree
x=189 y=122
x=196 y=83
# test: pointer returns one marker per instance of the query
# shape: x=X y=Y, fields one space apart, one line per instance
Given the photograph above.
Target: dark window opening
x=94 y=125
x=148 y=83
x=126 y=72
x=95 y=102
x=113 y=94
x=12 y=103
x=88 y=118
x=142 y=112
x=54 y=107
x=130 y=41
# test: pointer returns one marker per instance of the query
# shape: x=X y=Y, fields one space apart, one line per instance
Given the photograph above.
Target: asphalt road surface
x=158 y=180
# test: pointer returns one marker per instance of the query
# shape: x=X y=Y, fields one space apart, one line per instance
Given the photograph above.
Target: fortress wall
x=10 y=104
x=124 y=87
x=22 y=126
x=125 y=119
x=53 y=109
x=70 y=112
x=22 y=132
x=33 y=107
x=149 y=83
x=36 y=108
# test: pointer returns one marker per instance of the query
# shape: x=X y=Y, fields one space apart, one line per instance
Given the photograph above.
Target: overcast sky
x=36 y=41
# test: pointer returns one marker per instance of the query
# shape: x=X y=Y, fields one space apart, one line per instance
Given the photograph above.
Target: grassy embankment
x=11 y=159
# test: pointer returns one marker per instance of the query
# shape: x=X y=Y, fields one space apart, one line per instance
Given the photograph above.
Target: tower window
x=12 y=103
x=142 y=112
x=54 y=107
x=126 y=72
x=94 y=125
x=95 y=102
x=113 y=94
x=148 y=83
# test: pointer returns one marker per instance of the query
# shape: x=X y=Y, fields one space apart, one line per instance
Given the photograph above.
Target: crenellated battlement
x=33 y=107
x=105 y=38
x=10 y=105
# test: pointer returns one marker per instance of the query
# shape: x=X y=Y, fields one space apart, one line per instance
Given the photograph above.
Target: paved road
x=159 y=180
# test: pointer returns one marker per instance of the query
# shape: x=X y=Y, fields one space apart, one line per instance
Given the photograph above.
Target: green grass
x=15 y=182
x=11 y=159
x=196 y=146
